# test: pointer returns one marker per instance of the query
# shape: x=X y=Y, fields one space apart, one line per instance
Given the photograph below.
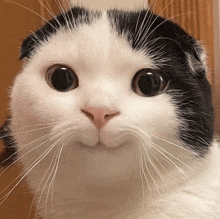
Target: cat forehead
x=96 y=38
x=94 y=44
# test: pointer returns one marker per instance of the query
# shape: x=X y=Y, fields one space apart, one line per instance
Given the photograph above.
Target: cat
x=112 y=117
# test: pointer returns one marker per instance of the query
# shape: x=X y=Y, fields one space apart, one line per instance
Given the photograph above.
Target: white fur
x=108 y=180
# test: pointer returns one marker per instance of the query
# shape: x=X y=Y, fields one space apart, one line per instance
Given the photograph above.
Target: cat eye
x=61 y=78
x=148 y=83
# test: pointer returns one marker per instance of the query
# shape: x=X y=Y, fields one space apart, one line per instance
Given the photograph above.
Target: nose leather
x=99 y=116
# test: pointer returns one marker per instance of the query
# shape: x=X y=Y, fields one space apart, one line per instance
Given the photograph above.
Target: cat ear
x=197 y=61
x=195 y=55
x=27 y=47
x=41 y=35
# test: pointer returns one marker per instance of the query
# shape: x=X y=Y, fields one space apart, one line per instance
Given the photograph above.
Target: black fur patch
x=70 y=19
x=189 y=90
x=9 y=154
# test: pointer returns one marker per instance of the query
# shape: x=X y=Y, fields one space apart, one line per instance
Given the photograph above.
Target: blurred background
x=201 y=18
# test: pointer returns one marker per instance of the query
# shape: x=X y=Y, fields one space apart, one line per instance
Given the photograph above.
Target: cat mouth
x=98 y=146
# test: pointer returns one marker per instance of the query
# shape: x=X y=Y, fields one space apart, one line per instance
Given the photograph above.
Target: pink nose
x=99 y=116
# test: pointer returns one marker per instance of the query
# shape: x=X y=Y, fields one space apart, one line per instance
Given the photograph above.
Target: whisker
x=140 y=30
x=170 y=161
x=145 y=155
x=147 y=22
x=50 y=12
x=32 y=12
x=30 y=168
x=137 y=23
x=173 y=156
x=39 y=200
x=148 y=170
x=18 y=150
x=155 y=157
x=153 y=144
x=144 y=38
x=34 y=141
x=172 y=143
x=155 y=166
x=33 y=130
x=163 y=158
x=53 y=177
x=34 y=198
x=136 y=39
x=140 y=135
x=142 y=169
x=142 y=181
x=48 y=124
x=63 y=12
x=72 y=17
x=38 y=124
x=152 y=22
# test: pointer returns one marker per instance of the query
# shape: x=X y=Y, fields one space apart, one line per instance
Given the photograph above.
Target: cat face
x=108 y=87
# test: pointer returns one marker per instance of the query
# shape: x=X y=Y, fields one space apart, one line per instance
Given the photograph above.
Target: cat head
x=104 y=80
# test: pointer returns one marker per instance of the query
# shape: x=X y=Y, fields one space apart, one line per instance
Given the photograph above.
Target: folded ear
x=9 y=153
x=195 y=55
x=197 y=62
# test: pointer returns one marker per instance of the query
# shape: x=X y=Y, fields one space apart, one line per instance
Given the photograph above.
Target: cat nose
x=99 y=116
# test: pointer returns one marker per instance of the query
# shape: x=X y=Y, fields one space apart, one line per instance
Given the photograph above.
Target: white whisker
x=136 y=39
x=176 y=158
x=174 y=144
x=144 y=38
x=142 y=169
x=152 y=22
x=172 y=162
x=141 y=135
x=63 y=12
x=31 y=11
x=48 y=178
x=47 y=136
x=54 y=176
x=146 y=23
x=30 y=168
x=33 y=130
x=35 y=195
x=148 y=170
x=50 y=12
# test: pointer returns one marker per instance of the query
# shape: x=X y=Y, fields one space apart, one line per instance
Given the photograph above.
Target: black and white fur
x=153 y=158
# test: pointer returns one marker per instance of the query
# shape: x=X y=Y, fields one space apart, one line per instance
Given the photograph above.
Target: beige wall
x=105 y=4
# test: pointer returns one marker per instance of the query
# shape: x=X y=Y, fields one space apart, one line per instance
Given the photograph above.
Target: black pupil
x=62 y=79
x=149 y=83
